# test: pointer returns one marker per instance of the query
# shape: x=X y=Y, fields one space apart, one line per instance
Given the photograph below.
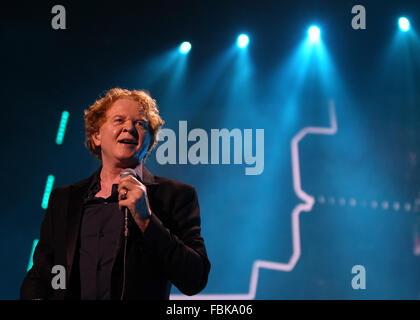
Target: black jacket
x=171 y=250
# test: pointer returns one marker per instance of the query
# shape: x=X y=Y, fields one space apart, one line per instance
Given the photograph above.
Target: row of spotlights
x=314 y=34
x=242 y=42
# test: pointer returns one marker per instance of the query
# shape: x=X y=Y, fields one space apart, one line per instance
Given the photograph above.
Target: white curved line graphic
x=308 y=202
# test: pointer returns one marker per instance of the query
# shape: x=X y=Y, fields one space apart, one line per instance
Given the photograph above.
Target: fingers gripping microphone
x=126 y=172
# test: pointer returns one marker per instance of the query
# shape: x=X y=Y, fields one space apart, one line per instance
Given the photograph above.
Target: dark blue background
x=373 y=75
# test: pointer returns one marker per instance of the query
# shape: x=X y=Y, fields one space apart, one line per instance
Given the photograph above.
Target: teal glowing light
x=47 y=191
x=62 y=127
x=404 y=24
x=242 y=41
x=314 y=33
x=185 y=47
x=30 y=263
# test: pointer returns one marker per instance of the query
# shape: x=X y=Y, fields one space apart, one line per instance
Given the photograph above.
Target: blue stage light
x=404 y=24
x=314 y=33
x=47 y=191
x=242 y=41
x=31 y=261
x=185 y=47
x=62 y=127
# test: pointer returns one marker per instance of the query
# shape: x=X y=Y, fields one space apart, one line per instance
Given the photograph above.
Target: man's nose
x=130 y=127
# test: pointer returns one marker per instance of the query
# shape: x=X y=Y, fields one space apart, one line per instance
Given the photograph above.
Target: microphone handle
x=125 y=250
x=125 y=222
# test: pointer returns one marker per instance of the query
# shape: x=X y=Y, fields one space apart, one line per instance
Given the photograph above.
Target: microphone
x=128 y=172
x=124 y=173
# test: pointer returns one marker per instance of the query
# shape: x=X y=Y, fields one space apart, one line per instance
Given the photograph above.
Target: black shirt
x=101 y=229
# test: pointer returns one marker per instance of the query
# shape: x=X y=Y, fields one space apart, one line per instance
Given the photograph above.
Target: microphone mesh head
x=128 y=172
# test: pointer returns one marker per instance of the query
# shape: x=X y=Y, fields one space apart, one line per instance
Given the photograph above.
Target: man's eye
x=140 y=123
x=118 y=120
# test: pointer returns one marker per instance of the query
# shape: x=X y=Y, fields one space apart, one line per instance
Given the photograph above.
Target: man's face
x=123 y=137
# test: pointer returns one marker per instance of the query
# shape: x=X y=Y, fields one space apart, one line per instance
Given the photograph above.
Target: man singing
x=84 y=230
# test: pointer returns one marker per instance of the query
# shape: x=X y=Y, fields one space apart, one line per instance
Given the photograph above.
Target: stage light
x=242 y=41
x=47 y=191
x=314 y=33
x=62 y=127
x=31 y=261
x=404 y=24
x=185 y=47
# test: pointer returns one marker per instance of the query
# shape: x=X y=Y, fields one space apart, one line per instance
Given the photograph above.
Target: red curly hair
x=95 y=116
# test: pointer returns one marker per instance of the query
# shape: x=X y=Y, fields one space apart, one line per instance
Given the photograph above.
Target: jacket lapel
x=149 y=181
x=148 y=177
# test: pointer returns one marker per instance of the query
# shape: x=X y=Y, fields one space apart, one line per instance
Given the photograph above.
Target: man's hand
x=132 y=194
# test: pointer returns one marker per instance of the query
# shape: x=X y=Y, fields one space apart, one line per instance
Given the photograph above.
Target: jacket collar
x=146 y=177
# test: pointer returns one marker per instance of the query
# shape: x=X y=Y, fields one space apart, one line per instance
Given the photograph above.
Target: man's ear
x=96 y=137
